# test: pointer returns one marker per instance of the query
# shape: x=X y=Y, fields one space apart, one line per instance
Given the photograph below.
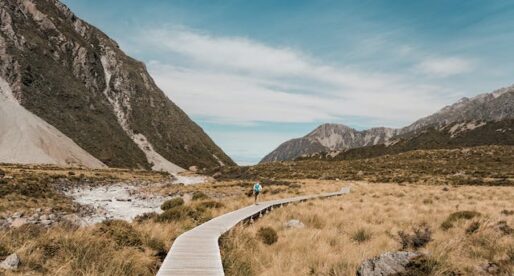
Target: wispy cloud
x=444 y=67
x=238 y=80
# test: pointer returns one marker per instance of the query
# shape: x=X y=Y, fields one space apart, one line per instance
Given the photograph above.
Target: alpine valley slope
x=73 y=77
x=486 y=119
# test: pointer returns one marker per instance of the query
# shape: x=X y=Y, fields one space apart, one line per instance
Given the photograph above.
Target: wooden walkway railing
x=196 y=252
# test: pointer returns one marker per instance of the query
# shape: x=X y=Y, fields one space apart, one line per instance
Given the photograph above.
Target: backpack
x=257 y=187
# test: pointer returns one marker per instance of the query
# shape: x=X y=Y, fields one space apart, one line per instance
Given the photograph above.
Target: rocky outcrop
x=389 y=263
x=75 y=78
x=495 y=106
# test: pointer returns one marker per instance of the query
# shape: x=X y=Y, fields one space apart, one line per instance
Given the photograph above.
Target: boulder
x=17 y=222
x=11 y=262
x=74 y=219
x=2 y=174
x=389 y=263
x=46 y=222
x=489 y=268
x=294 y=223
x=193 y=168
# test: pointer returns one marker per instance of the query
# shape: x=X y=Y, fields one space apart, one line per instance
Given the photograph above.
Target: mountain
x=329 y=137
x=77 y=80
x=495 y=106
x=482 y=120
x=26 y=138
x=453 y=135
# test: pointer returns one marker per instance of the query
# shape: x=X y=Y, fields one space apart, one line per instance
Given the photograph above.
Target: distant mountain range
x=482 y=120
x=61 y=77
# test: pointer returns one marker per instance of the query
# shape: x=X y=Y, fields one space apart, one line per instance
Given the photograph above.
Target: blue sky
x=256 y=73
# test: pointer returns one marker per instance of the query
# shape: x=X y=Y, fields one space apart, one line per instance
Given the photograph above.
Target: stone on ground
x=389 y=263
x=294 y=223
x=11 y=262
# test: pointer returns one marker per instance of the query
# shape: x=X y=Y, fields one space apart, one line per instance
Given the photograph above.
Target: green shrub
x=267 y=235
x=361 y=235
x=211 y=204
x=460 y=215
x=172 y=203
x=121 y=232
x=199 y=195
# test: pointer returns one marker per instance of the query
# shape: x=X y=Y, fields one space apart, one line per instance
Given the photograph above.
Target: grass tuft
x=361 y=235
x=172 y=203
x=267 y=235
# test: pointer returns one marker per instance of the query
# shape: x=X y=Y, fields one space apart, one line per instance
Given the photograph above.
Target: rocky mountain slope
x=482 y=120
x=329 y=137
x=74 y=77
x=26 y=138
x=495 y=106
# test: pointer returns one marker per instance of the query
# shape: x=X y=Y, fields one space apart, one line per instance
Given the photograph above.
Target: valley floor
x=340 y=233
x=41 y=221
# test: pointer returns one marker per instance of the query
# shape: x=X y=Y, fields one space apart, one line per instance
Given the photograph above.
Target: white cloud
x=444 y=67
x=237 y=80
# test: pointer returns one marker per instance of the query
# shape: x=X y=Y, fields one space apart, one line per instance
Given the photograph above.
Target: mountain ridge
x=466 y=113
x=76 y=78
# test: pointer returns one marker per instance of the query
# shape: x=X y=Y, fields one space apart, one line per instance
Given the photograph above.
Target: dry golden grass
x=339 y=232
x=28 y=187
x=328 y=244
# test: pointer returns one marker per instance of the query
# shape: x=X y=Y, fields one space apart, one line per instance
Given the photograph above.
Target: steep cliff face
x=329 y=137
x=77 y=79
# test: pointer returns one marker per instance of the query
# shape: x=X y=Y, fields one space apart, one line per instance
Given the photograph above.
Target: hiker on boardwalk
x=257 y=188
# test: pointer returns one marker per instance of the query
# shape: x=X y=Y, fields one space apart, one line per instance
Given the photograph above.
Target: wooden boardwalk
x=196 y=252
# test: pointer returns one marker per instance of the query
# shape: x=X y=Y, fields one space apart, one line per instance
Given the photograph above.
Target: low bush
x=199 y=195
x=146 y=216
x=172 y=203
x=507 y=212
x=178 y=213
x=421 y=265
x=361 y=235
x=473 y=227
x=158 y=246
x=420 y=236
x=121 y=232
x=3 y=252
x=456 y=216
x=505 y=228
x=267 y=235
x=211 y=204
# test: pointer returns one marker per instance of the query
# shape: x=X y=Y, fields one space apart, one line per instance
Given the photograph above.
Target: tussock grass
x=172 y=203
x=332 y=249
x=267 y=235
